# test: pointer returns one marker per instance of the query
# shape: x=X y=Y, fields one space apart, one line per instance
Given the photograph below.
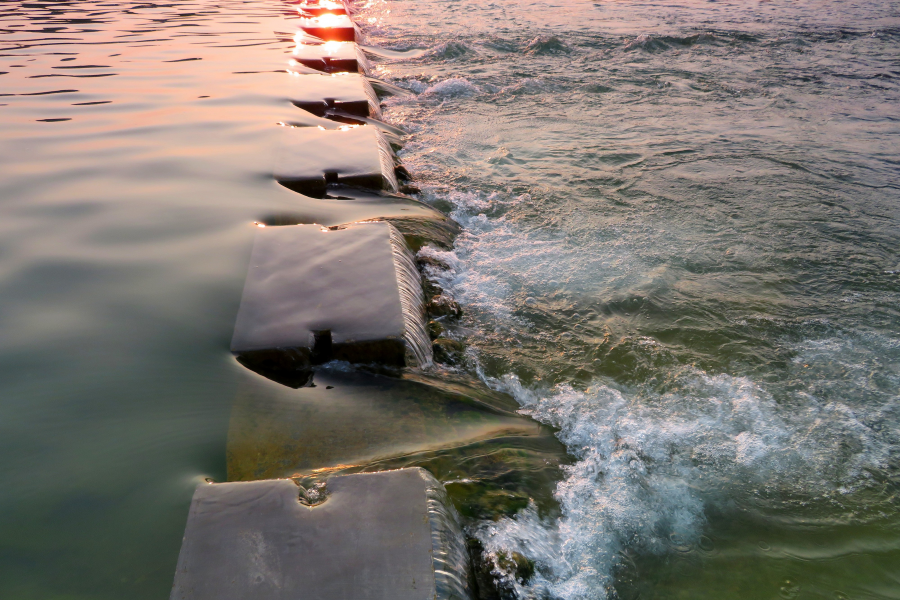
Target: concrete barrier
x=333 y=57
x=313 y=295
x=341 y=93
x=315 y=8
x=329 y=27
x=379 y=536
x=311 y=158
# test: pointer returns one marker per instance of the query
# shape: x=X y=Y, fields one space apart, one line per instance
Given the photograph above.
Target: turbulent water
x=680 y=247
x=681 y=232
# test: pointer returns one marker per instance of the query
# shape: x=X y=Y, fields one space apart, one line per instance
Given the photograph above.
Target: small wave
x=650 y=43
x=449 y=51
x=647 y=464
x=547 y=44
x=647 y=42
x=451 y=88
x=394 y=53
x=524 y=87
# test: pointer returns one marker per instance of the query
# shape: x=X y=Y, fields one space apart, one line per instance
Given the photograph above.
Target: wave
x=546 y=44
x=650 y=43
x=648 y=463
x=449 y=51
x=449 y=88
x=652 y=458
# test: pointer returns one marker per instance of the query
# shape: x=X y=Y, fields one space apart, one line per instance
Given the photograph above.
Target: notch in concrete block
x=329 y=27
x=359 y=284
x=342 y=93
x=376 y=536
x=332 y=57
x=355 y=155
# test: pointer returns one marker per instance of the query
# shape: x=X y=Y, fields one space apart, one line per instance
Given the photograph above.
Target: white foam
x=457 y=86
x=647 y=464
x=495 y=264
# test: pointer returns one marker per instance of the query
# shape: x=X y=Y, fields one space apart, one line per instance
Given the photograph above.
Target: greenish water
x=680 y=247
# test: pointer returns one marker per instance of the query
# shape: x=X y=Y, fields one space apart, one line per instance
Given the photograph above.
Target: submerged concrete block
x=345 y=93
x=420 y=223
x=313 y=295
x=378 y=536
x=332 y=57
x=352 y=419
x=311 y=158
x=329 y=27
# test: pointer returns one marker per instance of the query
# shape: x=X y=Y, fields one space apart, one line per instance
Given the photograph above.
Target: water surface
x=680 y=247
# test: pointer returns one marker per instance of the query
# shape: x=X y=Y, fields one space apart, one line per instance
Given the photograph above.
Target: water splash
x=409 y=282
x=451 y=88
x=648 y=463
x=546 y=44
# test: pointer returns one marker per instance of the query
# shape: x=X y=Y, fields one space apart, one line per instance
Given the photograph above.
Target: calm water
x=681 y=247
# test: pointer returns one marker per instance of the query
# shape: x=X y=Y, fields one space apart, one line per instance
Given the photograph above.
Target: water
x=680 y=233
x=410 y=287
x=680 y=248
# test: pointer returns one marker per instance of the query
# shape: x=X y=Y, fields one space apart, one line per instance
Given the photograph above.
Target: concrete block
x=356 y=419
x=315 y=8
x=344 y=92
x=329 y=27
x=332 y=57
x=311 y=158
x=313 y=295
x=379 y=536
x=420 y=223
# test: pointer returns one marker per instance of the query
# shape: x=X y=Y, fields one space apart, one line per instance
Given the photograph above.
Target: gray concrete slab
x=348 y=93
x=311 y=158
x=333 y=57
x=378 y=536
x=313 y=295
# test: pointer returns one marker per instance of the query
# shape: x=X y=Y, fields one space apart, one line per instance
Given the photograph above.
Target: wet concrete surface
x=331 y=57
x=312 y=158
x=370 y=539
x=471 y=438
x=345 y=93
x=329 y=27
x=314 y=295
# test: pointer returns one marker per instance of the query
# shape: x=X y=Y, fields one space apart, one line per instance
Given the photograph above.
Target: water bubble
x=706 y=544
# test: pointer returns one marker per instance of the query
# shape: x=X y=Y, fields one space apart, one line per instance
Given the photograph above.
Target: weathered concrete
x=379 y=536
x=344 y=93
x=313 y=295
x=312 y=158
x=329 y=27
x=333 y=57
